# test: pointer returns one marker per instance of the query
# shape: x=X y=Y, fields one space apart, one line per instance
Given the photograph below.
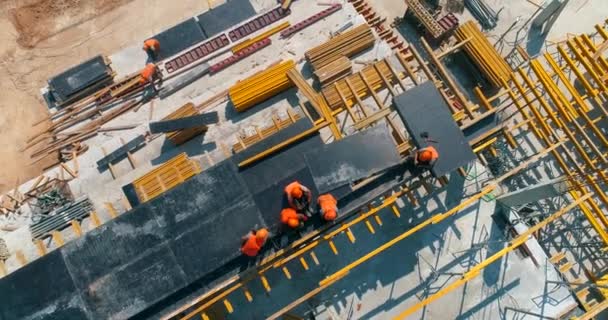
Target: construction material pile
x=165 y=177
x=346 y=44
x=334 y=71
x=181 y=136
x=260 y=86
x=484 y=55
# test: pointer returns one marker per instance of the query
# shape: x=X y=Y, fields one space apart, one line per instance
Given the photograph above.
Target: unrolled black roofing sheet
x=357 y=156
x=225 y=16
x=179 y=37
x=424 y=112
x=42 y=289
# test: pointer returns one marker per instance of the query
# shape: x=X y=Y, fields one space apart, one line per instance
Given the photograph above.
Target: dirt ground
x=41 y=38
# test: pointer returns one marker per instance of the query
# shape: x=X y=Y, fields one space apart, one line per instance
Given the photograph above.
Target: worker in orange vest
x=298 y=196
x=152 y=48
x=328 y=207
x=292 y=218
x=426 y=157
x=149 y=74
x=253 y=242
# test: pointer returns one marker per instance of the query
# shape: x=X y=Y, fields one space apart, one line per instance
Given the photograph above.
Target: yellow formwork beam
x=590 y=69
x=260 y=37
x=579 y=75
x=476 y=270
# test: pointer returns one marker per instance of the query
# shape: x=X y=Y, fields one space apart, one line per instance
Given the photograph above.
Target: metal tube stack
x=61 y=217
x=261 y=86
x=483 y=54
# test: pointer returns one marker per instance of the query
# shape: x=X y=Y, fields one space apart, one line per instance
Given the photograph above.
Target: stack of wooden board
x=260 y=86
x=483 y=54
x=346 y=44
x=334 y=71
x=165 y=177
x=181 y=136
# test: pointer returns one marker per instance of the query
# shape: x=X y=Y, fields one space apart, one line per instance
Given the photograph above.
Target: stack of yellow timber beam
x=334 y=71
x=181 y=136
x=165 y=177
x=427 y=20
x=346 y=44
x=484 y=55
x=356 y=82
x=261 y=86
x=261 y=134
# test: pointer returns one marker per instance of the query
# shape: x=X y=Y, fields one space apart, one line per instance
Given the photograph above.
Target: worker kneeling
x=149 y=75
x=426 y=157
x=253 y=242
x=292 y=218
x=298 y=196
x=328 y=207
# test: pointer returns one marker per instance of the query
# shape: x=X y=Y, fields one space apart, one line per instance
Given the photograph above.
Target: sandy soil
x=39 y=39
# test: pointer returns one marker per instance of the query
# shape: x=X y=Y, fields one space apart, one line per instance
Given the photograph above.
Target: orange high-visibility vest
x=251 y=247
x=434 y=153
x=292 y=186
x=327 y=202
x=147 y=73
x=151 y=44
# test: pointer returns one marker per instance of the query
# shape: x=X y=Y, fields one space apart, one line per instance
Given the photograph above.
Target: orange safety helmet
x=261 y=234
x=293 y=222
x=297 y=192
x=425 y=155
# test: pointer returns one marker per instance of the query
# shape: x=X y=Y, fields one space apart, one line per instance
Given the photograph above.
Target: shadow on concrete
x=536 y=40
x=235 y=116
x=193 y=147
x=489 y=300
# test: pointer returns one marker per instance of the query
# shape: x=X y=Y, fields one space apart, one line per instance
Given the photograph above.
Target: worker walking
x=426 y=157
x=253 y=242
x=298 y=196
x=328 y=207
x=152 y=48
x=292 y=218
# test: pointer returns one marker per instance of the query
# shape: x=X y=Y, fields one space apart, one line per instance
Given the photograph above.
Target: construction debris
x=181 y=136
x=61 y=217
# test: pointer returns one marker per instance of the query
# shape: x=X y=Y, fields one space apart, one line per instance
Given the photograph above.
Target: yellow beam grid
x=165 y=177
x=260 y=86
x=248 y=42
x=483 y=54
x=346 y=44
x=260 y=134
x=181 y=136
x=476 y=270
x=316 y=100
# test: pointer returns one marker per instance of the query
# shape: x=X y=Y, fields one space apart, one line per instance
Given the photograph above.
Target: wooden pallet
x=261 y=134
x=165 y=177
x=346 y=44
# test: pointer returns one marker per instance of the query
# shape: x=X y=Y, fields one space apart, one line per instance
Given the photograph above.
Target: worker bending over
x=298 y=196
x=152 y=48
x=328 y=207
x=426 y=157
x=253 y=242
x=292 y=218
x=149 y=75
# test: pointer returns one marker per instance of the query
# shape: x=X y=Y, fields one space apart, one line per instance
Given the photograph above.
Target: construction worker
x=298 y=196
x=152 y=48
x=328 y=207
x=253 y=242
x=149 y=74
x=426 y=157
x=292 y=218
